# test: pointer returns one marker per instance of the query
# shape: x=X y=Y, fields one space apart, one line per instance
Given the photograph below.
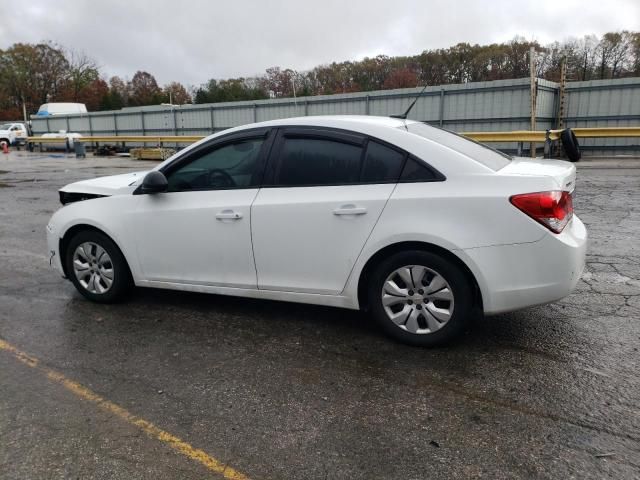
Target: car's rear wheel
x=420 y=298
x=97 y=268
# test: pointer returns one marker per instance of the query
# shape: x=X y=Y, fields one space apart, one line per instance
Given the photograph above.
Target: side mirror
x=154 y=182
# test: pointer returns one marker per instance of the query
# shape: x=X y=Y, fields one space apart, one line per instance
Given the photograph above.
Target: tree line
x=32 y=74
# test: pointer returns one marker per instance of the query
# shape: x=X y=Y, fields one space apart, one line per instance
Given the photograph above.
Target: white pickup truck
x=13 y=133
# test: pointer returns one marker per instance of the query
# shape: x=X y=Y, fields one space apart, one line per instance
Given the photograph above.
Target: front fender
x=109 y=215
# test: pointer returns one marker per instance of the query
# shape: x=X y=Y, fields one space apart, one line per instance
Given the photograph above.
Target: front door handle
x=350 y=210
x=228 y=215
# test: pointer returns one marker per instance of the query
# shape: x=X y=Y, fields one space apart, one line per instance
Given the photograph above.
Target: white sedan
x=416 y=225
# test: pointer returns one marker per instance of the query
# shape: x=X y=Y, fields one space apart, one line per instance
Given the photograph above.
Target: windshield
x=6 y=126
x=489 y=157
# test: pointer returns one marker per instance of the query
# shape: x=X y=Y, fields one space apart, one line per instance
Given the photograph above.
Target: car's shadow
x=198 y=316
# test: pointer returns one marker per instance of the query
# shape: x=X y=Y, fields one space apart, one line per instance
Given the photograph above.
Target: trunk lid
x=564 y=173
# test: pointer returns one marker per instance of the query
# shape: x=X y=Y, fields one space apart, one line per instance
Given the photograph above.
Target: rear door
x=323 y=193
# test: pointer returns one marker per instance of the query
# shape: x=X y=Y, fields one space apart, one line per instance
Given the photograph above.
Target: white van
x=61 y=108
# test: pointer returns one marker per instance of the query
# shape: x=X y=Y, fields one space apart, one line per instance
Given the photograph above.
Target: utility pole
x=532 y=79
x=293 y=84
x=562 y=94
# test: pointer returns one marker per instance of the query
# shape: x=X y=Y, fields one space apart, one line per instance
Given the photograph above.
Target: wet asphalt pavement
x=284 y=391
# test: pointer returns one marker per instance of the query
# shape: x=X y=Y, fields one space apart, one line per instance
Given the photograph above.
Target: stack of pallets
x=151 y=153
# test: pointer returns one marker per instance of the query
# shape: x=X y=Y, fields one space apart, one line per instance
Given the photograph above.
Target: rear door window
x=317 y=161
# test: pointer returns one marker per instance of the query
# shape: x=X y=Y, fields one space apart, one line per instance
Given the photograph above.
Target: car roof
x=347 y=122
x=341 y=120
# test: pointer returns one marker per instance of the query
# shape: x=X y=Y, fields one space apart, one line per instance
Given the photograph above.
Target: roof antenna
x=404 y=115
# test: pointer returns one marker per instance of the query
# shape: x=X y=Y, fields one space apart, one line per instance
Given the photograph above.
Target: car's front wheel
x=420 y=298
x=97 y=268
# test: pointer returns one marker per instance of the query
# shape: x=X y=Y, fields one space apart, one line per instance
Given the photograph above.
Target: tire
x=93 y=266
x=415 y=320
x=570 y=145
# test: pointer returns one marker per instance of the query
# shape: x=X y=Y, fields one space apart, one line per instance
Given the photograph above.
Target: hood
x=107 y=186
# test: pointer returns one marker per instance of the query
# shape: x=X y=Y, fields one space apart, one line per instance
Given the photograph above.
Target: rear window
x=481 y=153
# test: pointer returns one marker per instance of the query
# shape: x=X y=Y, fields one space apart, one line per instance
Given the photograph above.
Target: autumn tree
x=402 y=78
x=118 y=95
x=33 y=74
x=176 y=93
x=144 y=90
x=432 y=67
x=279 y=83
x=9 y=110
x=93 y=94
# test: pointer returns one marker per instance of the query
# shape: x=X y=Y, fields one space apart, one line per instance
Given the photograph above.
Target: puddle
x=28 y=180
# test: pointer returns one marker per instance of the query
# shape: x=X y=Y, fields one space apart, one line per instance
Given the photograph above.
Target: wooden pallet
x=151 y=153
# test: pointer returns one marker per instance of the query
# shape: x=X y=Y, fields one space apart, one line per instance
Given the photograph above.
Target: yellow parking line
x=149 y=428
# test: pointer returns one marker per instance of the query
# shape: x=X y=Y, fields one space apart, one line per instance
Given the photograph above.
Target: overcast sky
x=193 y=41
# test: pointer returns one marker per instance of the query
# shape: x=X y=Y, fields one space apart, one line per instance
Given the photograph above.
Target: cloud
x=194 y=41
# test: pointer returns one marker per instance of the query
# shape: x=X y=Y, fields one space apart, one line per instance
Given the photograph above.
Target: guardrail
x=120 y=139
x=519 y=136
x=543 y=136
x=515 y=136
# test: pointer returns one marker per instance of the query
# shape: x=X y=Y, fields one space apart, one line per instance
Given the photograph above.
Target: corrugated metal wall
x=605 y=103
x=501 y=105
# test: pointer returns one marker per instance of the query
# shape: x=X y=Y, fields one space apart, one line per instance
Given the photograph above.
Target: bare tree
x=586 y=53
x=83 y=71
x=620 y=51
x=635 y=53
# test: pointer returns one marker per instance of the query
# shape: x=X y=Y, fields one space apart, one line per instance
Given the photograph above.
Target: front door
x=199 y=232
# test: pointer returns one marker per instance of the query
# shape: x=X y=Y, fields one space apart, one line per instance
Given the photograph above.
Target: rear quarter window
x=416 y=171
x=381 y=164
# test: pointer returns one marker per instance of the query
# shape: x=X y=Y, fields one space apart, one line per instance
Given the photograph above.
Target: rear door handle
x=350 y=210
x=228 y=215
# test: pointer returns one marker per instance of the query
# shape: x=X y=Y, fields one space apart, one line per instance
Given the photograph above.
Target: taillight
x=552 y=209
